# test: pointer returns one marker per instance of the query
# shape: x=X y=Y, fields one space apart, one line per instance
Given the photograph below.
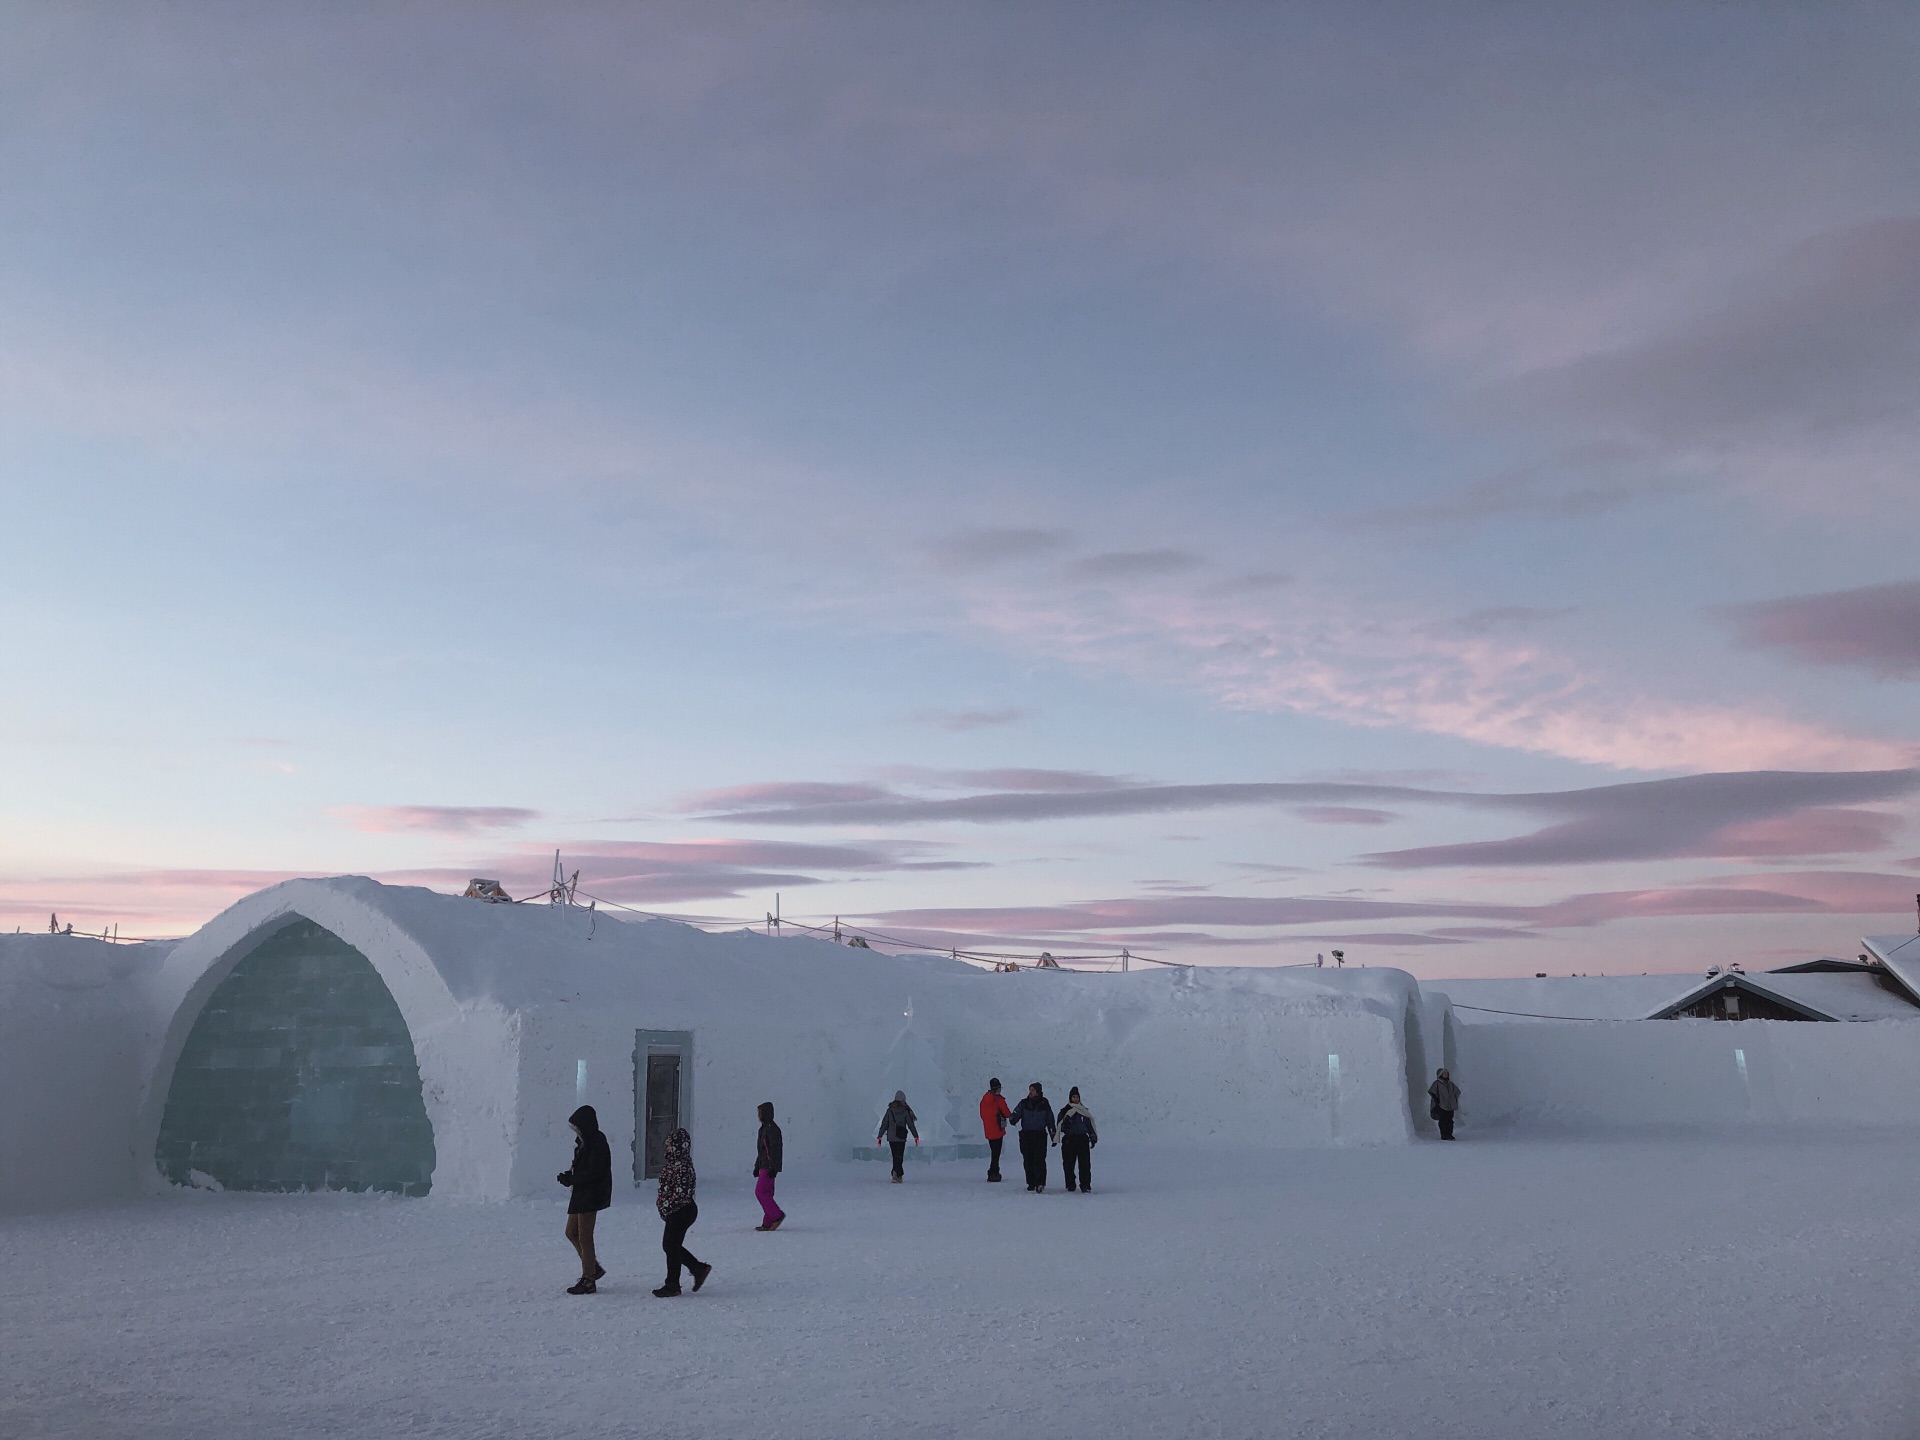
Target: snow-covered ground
x=1737 y=1284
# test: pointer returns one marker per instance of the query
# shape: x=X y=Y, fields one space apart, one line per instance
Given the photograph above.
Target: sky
x=1228 y=482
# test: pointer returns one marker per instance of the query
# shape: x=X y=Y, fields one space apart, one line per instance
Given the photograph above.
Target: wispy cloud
x=1145 y=920
x=1121 y=565
x=961 y=722
x=1053 y=802
x=1343 y=815
x=1370 y=667
x=1875 y=628
x=1578 y=483
x=991 y=547
x=440 y=819
x=782 y=795
x=1763 y=814
x=1742 y=815
x=668 y=872
x=1805 y=372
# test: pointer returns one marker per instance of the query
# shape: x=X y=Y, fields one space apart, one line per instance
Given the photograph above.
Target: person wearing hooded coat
x=1078 y=1136
x=895 y=1126
x=1446 y=1099
x=994 y=1115
x=1036 y=1134
x=591 y=1180
x=766 y=1164
x=675 y=1204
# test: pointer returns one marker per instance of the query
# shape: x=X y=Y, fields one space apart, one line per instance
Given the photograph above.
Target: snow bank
x=76 y=1025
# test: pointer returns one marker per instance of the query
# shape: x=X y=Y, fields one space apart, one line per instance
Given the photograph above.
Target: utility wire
x=1529 y=1015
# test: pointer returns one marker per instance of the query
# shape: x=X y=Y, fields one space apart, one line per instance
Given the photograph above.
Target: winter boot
x=582 y=1286
x=898 y=1179
x=700 y=1273
x=667 y=1292
x=775 y=1225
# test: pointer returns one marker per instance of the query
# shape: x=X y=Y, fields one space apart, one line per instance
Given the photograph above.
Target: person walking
x=676 y=1207
x=766 y=1164
x=591 y=1180
x=895 y=1126
x=1036 y=1134
x=1078 y=1136
x=1446 y=1100
x=994 y=1115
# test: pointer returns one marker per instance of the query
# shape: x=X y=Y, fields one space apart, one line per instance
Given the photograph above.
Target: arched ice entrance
x=299 y=1074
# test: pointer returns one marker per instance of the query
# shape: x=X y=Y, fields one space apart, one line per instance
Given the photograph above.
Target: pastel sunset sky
x=1442 y=482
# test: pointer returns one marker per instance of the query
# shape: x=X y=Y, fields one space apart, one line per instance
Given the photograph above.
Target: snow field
x=1718 y=1284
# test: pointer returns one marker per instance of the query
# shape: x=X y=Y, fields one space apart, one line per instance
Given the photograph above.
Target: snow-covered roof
x=1827 y=996
x=1568 y=997
x=520 y=957
x=1901 y=956
x=1856 y=996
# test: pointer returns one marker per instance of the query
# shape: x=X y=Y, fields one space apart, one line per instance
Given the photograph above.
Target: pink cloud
x=440 y=819
x=1853 y=892
x=1826 y=831
x=1875 y=628
x=1379 y=667
x=143 y=903
x=1343 y=815
x=780 y=793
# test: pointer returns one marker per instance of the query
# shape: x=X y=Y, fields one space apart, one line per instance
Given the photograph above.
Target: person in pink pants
x=766 y=1165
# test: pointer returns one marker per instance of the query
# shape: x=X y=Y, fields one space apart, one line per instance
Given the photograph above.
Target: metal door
x=663 y=1109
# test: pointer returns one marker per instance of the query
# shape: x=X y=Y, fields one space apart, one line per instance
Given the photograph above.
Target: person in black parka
x=591 y=1180
x=1078 y=1136
x=1034 y=1116
x=896 y=1124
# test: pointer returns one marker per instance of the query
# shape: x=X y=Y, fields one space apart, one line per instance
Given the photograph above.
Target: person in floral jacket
x=675 y=1203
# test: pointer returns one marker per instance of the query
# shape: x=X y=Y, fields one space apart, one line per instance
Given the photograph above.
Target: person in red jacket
x=994 y=1115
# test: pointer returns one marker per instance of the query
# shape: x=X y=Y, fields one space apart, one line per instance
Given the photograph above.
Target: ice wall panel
x=299 y=1074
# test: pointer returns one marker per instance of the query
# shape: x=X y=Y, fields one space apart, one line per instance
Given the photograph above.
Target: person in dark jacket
x=1078 y=1136
x=675 y=1204
x=1446 y=1099
x=591 y=1180
x=895 y=1126
x=994 y=1115
x=766 y=1165
x=1035 y=1117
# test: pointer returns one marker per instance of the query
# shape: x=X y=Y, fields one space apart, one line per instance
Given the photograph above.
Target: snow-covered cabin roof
x=1843 y=996
x=1816 y=996
x=1900 y=954
x=1819 y=996
x=1564 y=997
x=1824 y=965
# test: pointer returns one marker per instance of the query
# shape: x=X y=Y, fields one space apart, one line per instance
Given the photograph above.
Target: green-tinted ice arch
x=299 y=1074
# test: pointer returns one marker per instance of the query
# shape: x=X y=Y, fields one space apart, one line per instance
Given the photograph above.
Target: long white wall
x=1688 y=1073
x=1208 y=1057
